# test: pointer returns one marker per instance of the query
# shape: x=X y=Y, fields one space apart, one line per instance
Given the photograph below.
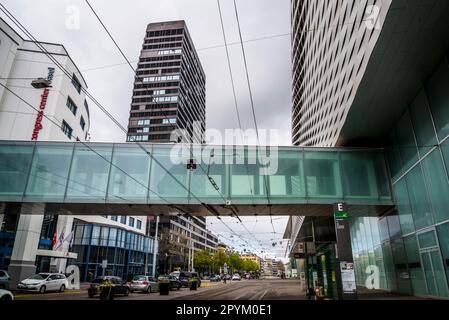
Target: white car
x=43 y=282
x=236 y=277
x=6 y=295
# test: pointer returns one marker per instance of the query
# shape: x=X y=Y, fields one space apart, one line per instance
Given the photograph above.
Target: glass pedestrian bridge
x=140 y=179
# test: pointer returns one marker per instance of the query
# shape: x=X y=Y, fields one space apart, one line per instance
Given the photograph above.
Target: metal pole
x=156 y=246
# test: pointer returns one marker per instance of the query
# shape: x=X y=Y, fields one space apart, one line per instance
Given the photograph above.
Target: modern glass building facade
x=126 y=252
x=411 y=246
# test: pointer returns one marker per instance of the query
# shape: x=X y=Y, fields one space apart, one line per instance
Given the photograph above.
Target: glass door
x=432 y=264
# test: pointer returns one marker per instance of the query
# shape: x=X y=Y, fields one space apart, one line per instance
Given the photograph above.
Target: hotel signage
x=42 y=105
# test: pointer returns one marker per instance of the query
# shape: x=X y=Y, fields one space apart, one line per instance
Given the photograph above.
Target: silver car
x=4 y=280
x=144 y=283
x=43 y=282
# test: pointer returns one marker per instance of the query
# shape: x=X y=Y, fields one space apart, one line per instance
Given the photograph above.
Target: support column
x=345 y=272
x=28 y=233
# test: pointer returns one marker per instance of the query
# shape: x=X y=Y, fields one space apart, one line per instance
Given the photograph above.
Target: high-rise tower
x=169 y=89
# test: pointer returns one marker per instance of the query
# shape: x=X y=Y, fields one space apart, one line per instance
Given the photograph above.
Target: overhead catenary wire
x=211 y=180
x=99 y=105
x=59 y=125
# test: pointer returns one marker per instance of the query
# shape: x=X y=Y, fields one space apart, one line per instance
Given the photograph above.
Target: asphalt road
x=268 y=289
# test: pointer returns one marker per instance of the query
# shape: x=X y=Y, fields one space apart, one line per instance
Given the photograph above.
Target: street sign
x=225 y=268
x=104 y=264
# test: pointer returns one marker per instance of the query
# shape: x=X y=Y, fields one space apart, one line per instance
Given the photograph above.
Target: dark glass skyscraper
x=169 y=88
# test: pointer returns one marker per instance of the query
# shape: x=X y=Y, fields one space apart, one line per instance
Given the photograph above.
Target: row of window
x=165 y=99
x=172 y=51
x=153 y=137
x=161 y=33
x=131 y=221
x=162 y=78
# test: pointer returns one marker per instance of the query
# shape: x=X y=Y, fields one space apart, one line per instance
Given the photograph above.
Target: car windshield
x=139 y=278
x=39 y=277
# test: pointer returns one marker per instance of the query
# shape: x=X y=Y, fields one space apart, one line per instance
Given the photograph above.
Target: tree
x=219 y=259
x=203 y=260
x=235 y=262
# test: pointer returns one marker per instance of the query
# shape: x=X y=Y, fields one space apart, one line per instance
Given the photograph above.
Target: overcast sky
x=110 y=81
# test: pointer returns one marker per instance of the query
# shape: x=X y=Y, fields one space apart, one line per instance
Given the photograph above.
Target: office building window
x=72 y=106
x=82 y=123
x=76 y=83
x=123 y=219
x=86 y=106
x=66 y=129
x=169 y=121
x=131 y=222
x=139 y=224
x=114 y=218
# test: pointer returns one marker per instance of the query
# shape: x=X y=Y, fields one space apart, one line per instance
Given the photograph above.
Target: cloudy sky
x=110 y=80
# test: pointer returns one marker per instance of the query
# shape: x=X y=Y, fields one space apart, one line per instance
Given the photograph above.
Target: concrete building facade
x=384 y=84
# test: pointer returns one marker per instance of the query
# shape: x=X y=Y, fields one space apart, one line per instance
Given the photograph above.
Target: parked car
x=215 y=278
x=185 y=277
x=146 y=284
x=43 y=282
x=120 y=286
x=227 y=277
x=236 y=276
x=6 y=295
x=4 y=280
x=175 y=283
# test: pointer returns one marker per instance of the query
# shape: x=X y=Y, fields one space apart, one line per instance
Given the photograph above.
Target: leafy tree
x=219 y=259
x=235 y=262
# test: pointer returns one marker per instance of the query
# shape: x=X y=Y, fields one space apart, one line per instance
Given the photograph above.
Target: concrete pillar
x=28 y=233
x=345 y=271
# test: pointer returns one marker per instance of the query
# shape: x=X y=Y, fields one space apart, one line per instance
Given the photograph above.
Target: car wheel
x=62 y=289
x=42 y=289
x=6 y=297
x=126 y=292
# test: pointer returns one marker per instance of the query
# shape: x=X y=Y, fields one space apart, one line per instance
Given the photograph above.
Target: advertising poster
x=348 y=277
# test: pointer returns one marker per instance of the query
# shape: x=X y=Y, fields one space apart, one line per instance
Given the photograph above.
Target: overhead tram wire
x=98 y=104
x=211 y=180
x=252 y=105
x=59 y=125
x=235 y=97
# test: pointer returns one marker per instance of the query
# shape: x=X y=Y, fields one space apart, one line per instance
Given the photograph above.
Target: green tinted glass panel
x=438 y=185
x=427 y=240
x=445 y=151
x=359 y=175
x=422 y=123
x=323 y=175
x=414 y=265
x=403 y=206
x=428 y=272
x=418 y=198
x=443 y=238
x=49 y=172
x=169 y=174
x=394 y=156
x=129 y=174
x=438 y=93
x=288 y=179
x=400 y=262
x=248 y=179
x=15 y=162
x=440 y=275
x=209 y=179
x=89 y=172
x=406 y=141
